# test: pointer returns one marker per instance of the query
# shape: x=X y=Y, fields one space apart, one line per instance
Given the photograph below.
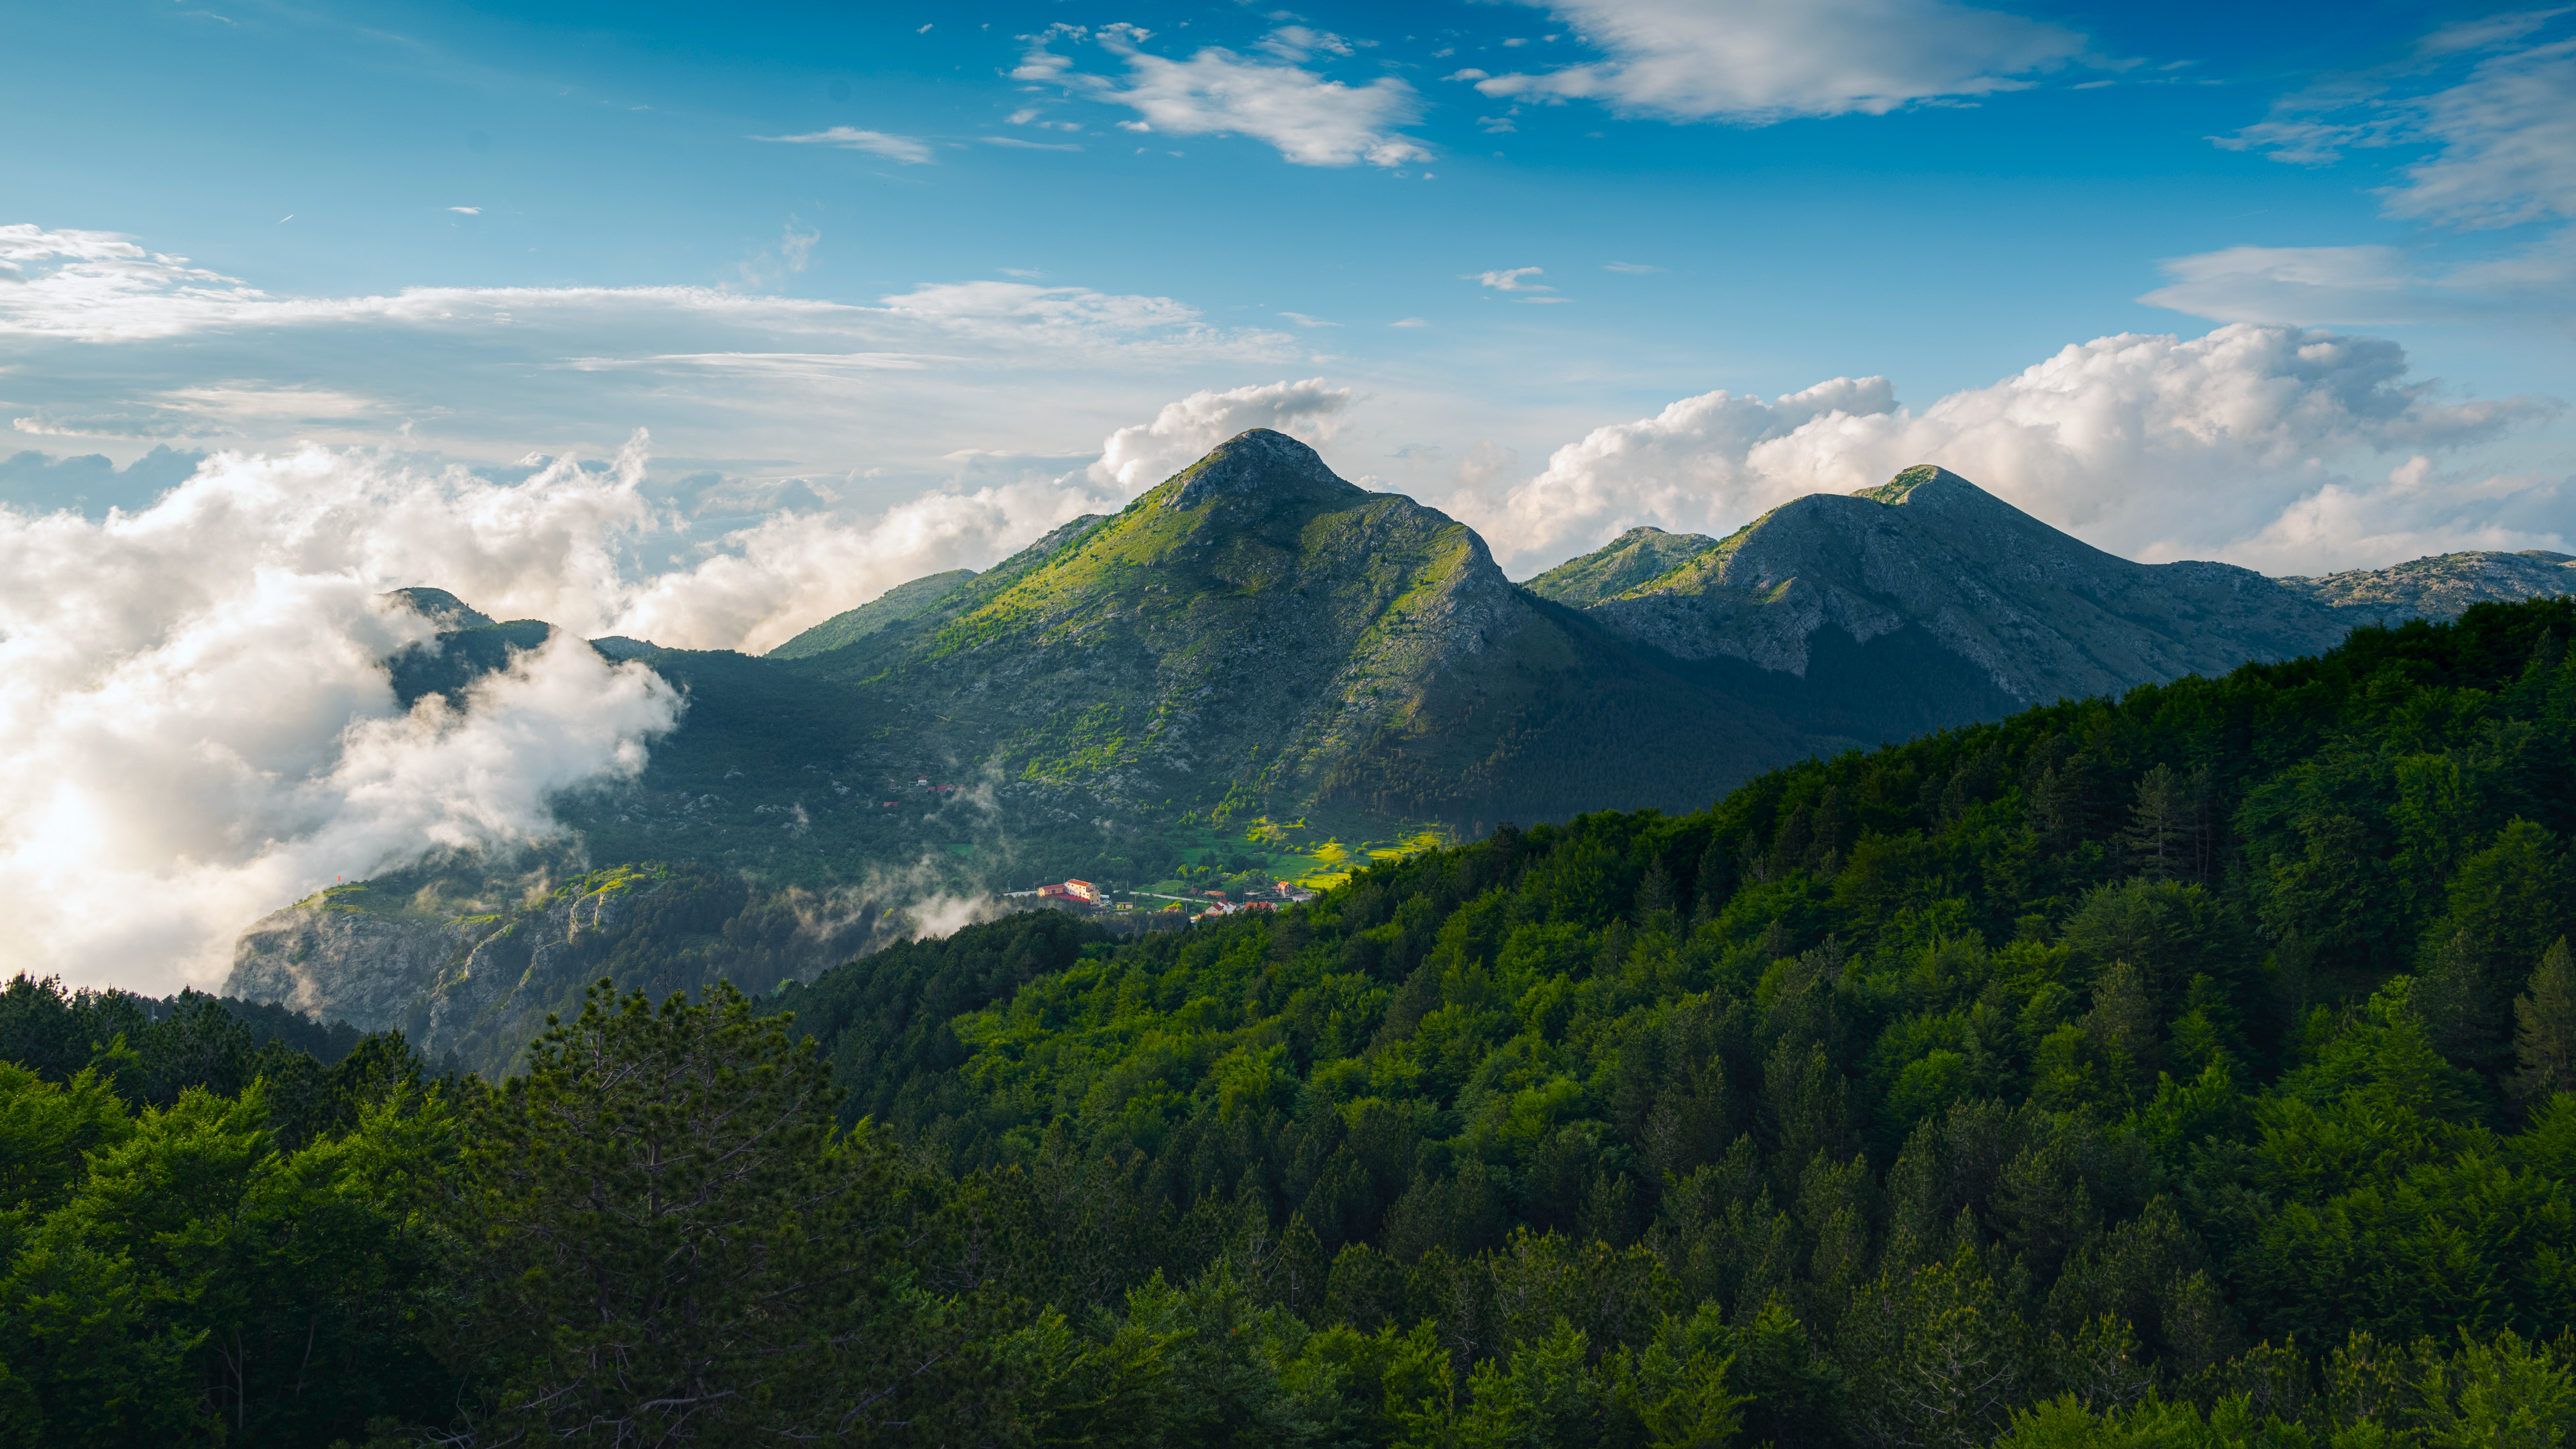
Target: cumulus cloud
x=1311 y=120
x=1136 y=458
x=2152 y=446
x=1754 y=62
x=1512 y=279
x=196 y=727
x=2416 y=509
x=909 y=150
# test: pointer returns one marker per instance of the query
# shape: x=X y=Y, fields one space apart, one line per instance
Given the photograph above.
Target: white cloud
x=1755 y=62
x=1016 y=144
x=1311 y=120
x=1512 y=280
x=2507 y=145
x=196 y=728
x=1136 y=458
x=2357 y=286
x=910 y=150
x=1302 y=320
x=2415 y=510
x=1410 y=322
x=467 y=210
x=2151 y=446
x=1296 y=42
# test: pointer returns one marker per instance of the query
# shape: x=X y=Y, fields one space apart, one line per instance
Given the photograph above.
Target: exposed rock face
x=480 y=982
x=1255 y=462
x=2440 y=587
x=441 y=981
x=500 y=988
x=362 y=967
x=2042 y=614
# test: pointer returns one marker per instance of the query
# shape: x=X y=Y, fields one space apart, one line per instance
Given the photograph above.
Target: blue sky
x=1663 y=199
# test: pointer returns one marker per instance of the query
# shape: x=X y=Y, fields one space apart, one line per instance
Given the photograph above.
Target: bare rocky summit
x=2440 y=587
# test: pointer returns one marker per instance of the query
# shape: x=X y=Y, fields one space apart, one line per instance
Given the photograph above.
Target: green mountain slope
x=894 y=606
x=2196 y=1069
x=1258 y=637
x=1639 y=556
x=1258 y=669
x=2236 y=1012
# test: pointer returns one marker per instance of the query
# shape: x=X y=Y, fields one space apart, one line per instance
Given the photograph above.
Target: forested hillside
x=2196 y=1068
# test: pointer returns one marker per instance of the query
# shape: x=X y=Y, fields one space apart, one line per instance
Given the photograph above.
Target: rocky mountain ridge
x=2041 y=614
x=2442 y=586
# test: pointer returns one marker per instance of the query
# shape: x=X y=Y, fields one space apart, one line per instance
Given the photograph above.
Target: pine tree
x=1654 y=893
x=1716 y=879
x=675 y=1244
x=2158 y=837
x=2544 y=1038
x=2123 y=1020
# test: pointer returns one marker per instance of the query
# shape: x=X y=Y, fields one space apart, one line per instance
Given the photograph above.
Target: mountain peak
x=1257 y=461
x=440 y=607
x=1932 y=480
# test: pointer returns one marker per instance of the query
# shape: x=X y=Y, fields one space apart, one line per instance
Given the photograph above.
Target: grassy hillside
x=894 y=606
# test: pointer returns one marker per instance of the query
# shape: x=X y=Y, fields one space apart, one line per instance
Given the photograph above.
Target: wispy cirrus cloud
x=909 y=150
x=2487 y=111
x=110 y=340
x=1754 y=62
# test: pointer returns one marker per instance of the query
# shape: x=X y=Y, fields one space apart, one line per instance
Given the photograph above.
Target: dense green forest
x=2196 y=1068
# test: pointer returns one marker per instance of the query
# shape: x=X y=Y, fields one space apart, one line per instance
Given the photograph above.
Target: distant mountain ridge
x=2442 y=586
x=2041 y=614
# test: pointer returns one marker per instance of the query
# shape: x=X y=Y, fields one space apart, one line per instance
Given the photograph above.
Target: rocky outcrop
x=538 y=961
x=481 y=986
x=364 y=967
x=1255 y=462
